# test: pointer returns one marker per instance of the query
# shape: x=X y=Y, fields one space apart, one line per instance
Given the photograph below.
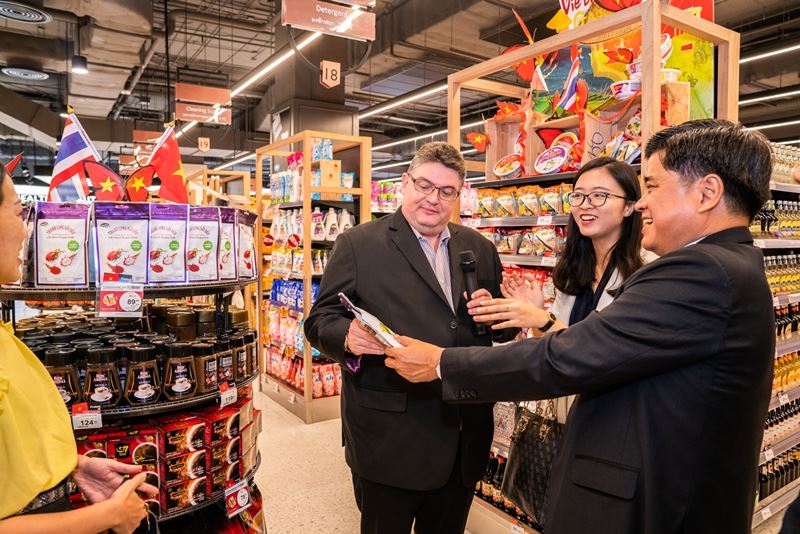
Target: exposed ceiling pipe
x=131 y=85
x=176 y=15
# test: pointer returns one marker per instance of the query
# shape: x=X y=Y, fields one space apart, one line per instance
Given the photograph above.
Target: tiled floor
x=306 y=483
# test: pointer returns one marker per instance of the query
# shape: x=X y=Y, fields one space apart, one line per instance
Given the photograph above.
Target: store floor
x=306 y=484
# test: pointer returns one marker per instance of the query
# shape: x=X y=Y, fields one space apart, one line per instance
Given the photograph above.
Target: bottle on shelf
x=497 y=483
x=331 y=225
x=488 y=478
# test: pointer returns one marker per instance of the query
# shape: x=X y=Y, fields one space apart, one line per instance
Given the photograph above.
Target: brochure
x=382 y=332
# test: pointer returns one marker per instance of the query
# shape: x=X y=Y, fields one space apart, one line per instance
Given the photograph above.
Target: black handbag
x=534 y=445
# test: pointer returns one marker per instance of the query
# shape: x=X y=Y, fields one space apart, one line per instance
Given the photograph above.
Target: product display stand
x=302 y=403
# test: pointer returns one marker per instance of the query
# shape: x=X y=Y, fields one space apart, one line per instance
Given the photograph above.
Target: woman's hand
x=128 y=509
x=98 y=478
x=518 y=288
x=508 y=312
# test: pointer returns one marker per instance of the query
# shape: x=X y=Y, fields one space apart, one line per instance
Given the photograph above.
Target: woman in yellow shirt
x=37 y=448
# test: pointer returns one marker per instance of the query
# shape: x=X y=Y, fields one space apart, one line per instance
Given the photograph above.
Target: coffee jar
x=101 y=387
x=60 y=363
x=205 y=363
x=206 y=321
x=179 y=378
x=250 y=345
x=144 y=384
x=225 y=363
x=239 y=357
x=182 y=324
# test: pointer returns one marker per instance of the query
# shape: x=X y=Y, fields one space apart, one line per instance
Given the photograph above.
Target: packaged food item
x=506 y=202
x=167 y=243
x=507 y=240
x=101 y=388
x=28 y=252
x=179 y=434
x=246 y=247
x=544 y=241
x=122 y=237
x=184 y=495
x=134 y=446
x=317 y=385
x=179 y=374
x=488 y=233
x=184 y=467
x=487 y=206
x=221 y=423
x=216 y=481
x=203 y=243
x=249 y=459
x=561 y=239
x=225 y=453
x=328 y=380
x=347 y=180
x=249 y=435
x=233 y=472
x=528 y=201
x=205 y=365
x=566 y=190
x=246 y=412
x=143 y=384
x=60 y=364
x=337 y=370
x=550 y=200
x=92 y=444
x=228 y=264
x=526 y=246
x=61 y=236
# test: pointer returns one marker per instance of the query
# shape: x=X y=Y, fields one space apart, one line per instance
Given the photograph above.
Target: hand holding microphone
x=469 y=270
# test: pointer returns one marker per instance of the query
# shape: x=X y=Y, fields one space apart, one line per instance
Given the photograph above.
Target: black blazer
x=674 y=380
x=398 y=433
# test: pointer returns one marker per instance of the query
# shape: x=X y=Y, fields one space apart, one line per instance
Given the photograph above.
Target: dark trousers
x=390 y=510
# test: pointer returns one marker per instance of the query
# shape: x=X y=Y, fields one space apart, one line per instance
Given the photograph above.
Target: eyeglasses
x=426 y=188
x=596 y=198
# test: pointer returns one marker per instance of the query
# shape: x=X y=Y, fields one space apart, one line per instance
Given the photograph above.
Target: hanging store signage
x=186 y=92
x=144 y=141
x=330 y=74
x=127 y=164
x=203 y=144
x=202 y=113
x=369 y=4
x=329 y=18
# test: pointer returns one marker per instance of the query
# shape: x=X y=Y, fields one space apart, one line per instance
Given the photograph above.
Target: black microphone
x=468 y=268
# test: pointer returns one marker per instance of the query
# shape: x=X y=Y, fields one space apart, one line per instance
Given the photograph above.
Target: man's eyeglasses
x=596 y=199
x=426 y=188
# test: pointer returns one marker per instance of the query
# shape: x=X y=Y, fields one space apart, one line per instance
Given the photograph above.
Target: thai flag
x=69 y=178
x=567 y=100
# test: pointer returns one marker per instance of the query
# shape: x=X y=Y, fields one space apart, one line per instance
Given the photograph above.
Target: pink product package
x=167 y=257
x=203 y=244
x=246 y=244
x=228 y=264
x=60 y=241
x=122 y=239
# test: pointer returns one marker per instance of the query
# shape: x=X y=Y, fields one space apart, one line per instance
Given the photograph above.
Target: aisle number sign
x=330 y=74
x=203 y=144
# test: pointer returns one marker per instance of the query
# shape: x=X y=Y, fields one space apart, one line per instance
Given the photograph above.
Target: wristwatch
x=551 y=320
x=346 y=348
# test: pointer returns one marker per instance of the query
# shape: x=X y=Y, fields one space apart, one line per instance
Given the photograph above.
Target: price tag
x=776 y=302
x=275 y=387
x=117 y=299
x=544 y=220
x=84 y=419
x=759 y=243
x=292 y=398
x=769 y=454
x=516 y=528
x=783 y=399
x=766 y=513
x=237 y=498
x=227 y=394
x=549 y=261
x=794 y=298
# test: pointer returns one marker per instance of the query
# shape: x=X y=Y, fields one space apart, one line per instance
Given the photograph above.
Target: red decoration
x=107 y=184
x=137 y=183
x=620 y=55
x=11 y=165
x=508 y=110
x=617 y=5
x=547 y=135
x=479 y=140
x=166 y=159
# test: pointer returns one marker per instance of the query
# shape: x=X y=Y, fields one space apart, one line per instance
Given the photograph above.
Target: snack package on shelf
x=188 y=466
x=202 y=248
x=347 y=179
x=487 y=206
x=167 y=243
x=550 y=200
x=469 y=200
x=61 y=244
x=134 y=446
x=506 y=202
x=528 y=201
x=566 y=189
x=228 y=264
x=184 y=494
x=221 y=423
x=246 y=243
x=122 y=237
x=488 y=233
x=506 y=240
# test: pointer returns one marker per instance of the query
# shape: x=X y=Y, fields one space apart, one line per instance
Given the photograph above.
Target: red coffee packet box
x=222 y=423
x=138 y=447
x=246 y=412
x=180 y=434
x=184 y=467
x=183 y=495
x=224 y=453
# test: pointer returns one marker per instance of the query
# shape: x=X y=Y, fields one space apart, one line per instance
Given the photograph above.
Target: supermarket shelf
x=500 y=448
x=284 y=384
x=299 y=203
x=784 y=299
x=211 y=500
x=776 y=502
x=534 y=261
x=785 y=187
x=555 y=220
x=777 y=243
x=787 y=345
x=486 y=519
x=382 y=212
x=528 y=180
x=784 y=397
x=289 y=398
x=167 y=406
x=152 y=292
x=779 y=448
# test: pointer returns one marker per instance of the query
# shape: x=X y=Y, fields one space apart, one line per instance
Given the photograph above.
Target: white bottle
x=331 y=225
x=345 y=221
x=317 y=225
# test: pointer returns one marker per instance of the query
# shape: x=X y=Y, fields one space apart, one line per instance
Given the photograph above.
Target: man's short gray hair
x=440 y=152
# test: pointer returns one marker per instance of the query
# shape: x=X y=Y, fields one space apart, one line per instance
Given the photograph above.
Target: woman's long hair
x=575 y=269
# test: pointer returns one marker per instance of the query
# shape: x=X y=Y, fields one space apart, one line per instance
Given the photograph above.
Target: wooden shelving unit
x=302 y=404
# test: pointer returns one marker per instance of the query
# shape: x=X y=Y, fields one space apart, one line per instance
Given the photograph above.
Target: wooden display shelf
x=784 y=186
x=776 y=502
x=487 y=519
x=293 y=400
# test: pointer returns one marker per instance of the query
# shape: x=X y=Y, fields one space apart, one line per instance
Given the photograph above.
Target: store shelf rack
x=784 y=397
x=483 y=517
x=787 y=344
x=542 y=220
x=785 y=187
x=777 y=243
x=291 y=399
x=534 y=261
x=215 y=498
x=779 y=448
x=775 y=503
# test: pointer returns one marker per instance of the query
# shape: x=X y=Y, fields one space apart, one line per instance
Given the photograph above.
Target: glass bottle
x=179 y=380
x=225 y=362
x=101 y=388
x=144 y=383
x=60 y=363
x=239 y=357
x=251 y=347
x=205 y=363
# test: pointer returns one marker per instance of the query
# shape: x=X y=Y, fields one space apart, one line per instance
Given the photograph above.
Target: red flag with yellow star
x=106 y=183
x=138 y=182
x=166 y=158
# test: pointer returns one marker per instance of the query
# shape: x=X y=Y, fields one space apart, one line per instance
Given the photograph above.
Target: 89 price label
x=116 y=299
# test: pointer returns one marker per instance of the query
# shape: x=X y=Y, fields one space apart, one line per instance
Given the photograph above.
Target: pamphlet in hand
x=382 y=332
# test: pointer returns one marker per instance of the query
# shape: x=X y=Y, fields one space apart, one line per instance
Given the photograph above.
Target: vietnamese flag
x=11 y=165
x=166 y=158
x=107 y=184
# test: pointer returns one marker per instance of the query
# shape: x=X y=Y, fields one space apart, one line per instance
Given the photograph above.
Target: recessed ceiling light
x=30 y=75
x=22 y=13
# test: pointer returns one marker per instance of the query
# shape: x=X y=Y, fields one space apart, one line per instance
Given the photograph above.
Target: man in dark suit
x=674 y=377
x=414 y=458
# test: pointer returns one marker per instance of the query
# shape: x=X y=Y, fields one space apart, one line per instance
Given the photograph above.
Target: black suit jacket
x=395 y=432
x=674 y=380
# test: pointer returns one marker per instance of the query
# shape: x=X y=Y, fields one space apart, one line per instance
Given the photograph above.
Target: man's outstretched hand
x=416 y=361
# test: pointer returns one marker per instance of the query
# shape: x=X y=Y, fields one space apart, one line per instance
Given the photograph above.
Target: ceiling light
x=186 y=128
x=63 y=115
x=773 y=125
x=395 y=102
x=30 y=75
x=770 y=54
x=79 y=64
x=423 y=136
x=409 y=121
x=234 y=162
x=787 y=142
x=775 y=96
x=22 y=13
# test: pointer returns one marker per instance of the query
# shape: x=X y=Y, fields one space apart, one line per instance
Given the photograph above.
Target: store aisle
x=303 y=476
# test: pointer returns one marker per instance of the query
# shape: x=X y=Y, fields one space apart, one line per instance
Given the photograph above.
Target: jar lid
x=22 y=331
x=180 y=317
x=121 y=350
x=145 y=337
x=206 y=315
x=238 y=316
x=55 y=346
x=222 y=344
x=83 y=348
x=36 y=337
x=128 y=333
x=250 y=336
x=100 y=355
x=108 y=337
x=59 y=357
x=30 y=343
x=236 y=340
x=99 y=322
x=179 y=350
x=62 y=337
x=39 y=351
x=159 y=310
x=141 y=353
x=123 y=341
x=202 y=349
